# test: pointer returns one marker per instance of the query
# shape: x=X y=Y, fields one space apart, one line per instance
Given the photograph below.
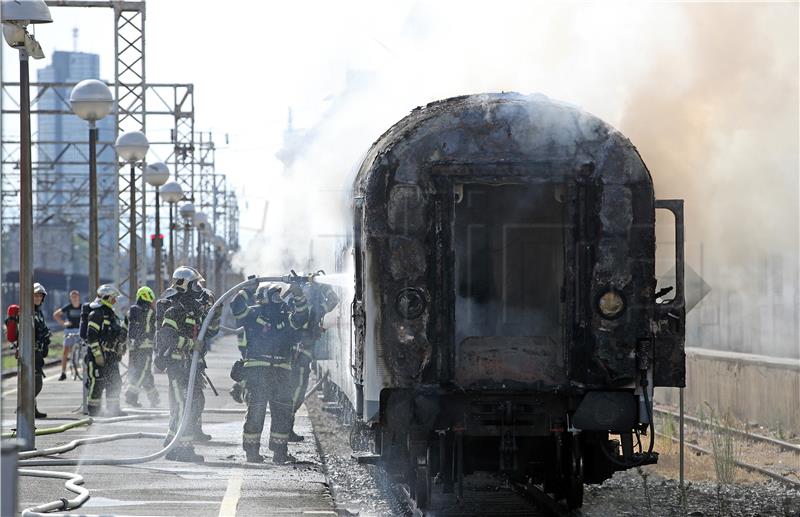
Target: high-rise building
x=61 y=173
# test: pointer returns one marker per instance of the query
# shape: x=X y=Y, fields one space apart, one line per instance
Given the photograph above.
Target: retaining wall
x=753 y=388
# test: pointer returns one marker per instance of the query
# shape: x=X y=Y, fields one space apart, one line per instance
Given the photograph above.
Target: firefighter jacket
x=141 y=325
x=105 y=334
x=180 y=326
x=242 y=305
x=273 y=330
x=41 y=338
x=322 y=299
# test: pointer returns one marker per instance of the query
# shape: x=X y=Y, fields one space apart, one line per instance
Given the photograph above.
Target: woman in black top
x=69 y=316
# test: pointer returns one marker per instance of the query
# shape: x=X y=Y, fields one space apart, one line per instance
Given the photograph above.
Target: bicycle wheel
x=76 y=360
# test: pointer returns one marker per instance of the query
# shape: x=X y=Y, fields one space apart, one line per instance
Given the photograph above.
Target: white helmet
x=107 y=291
x=185 y=278
x=39 y=289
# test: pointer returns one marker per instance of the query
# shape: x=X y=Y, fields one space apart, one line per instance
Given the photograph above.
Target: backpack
x=84 y=326
x=11 y=322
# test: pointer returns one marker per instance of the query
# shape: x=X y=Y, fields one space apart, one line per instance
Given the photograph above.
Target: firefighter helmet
x=268 y=293
x=185 y=278
x=107 y=291
x=146 y=294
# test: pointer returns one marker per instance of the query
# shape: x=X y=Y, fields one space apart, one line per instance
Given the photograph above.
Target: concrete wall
x=754 y=388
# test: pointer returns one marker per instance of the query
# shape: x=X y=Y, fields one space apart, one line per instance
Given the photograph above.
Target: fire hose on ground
x=73 y=479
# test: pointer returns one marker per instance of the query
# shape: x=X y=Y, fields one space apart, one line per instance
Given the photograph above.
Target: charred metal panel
x=407 y=258
x=502 y=361
x=613 y=411
x=407 y=212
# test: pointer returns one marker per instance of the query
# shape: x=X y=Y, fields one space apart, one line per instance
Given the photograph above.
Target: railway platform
x=223 y=485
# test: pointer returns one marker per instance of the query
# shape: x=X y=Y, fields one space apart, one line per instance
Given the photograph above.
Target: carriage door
x=509 y=269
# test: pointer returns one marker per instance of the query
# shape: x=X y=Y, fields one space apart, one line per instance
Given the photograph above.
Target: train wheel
x=574 y=481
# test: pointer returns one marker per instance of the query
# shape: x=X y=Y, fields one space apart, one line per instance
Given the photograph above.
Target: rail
x=741 y=464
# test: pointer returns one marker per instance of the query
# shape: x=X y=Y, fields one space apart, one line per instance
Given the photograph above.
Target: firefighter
x=272 y=332
x=106 y=337
x=41 y=341
x=241 y=305
x=322 y=299
x=176 y=340
x=141 y=336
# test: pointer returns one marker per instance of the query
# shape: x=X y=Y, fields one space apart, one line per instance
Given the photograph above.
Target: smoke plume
x=707 y=92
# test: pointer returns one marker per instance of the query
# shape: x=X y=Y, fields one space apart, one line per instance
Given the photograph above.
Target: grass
x=56 y=347
x=724 y=446
x=644 y=475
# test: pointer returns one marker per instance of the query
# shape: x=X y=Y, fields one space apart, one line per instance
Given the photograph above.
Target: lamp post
x=171 y=192
x=220 y=253
x=132 y=148
x=187 y=212
x=16 y=16
x=156 y=174
x=201 y=223
x=91 y=100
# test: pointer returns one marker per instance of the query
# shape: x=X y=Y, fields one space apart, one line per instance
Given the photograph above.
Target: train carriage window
x=358 y=214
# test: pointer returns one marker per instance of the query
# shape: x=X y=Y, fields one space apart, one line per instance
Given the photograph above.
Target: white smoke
x=708 y=93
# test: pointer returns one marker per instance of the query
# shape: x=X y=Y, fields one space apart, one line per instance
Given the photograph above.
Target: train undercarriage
x=431 y=442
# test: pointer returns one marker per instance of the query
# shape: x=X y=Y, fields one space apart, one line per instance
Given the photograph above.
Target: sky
x=708 y=92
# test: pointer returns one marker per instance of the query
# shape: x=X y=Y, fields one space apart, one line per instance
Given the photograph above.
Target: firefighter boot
x=184 y=454
x=200 y=436
x=281 y=456
x=253 y=455
x=132 y=399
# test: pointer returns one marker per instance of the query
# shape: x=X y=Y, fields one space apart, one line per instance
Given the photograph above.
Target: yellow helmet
x=146 y=294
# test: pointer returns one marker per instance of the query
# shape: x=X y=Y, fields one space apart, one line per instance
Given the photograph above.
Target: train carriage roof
x=551 y=140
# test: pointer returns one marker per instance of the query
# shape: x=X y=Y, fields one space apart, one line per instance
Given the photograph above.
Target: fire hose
x=73 y=479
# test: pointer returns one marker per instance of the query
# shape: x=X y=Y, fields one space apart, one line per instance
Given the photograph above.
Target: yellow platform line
x=232 y=495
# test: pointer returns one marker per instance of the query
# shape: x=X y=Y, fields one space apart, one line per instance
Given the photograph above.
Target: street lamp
x=156 y=174
x=201 y=223
x=132 y=148
x=16 y=16
x=171 y=192
x=91 y=100
x=187 y=212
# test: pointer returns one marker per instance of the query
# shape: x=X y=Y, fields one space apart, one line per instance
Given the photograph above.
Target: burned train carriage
x=505 y=314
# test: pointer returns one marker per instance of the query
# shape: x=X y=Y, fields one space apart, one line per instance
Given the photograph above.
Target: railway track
x=487 y=500
x=753 y=437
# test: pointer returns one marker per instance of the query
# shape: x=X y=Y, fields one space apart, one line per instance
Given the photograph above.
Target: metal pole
x=171 y=258
x=157 y=255
x=143 y=263
x=186 y=237
x=199 y=250
x=132 y=283
x=94 y=244
x=26 y=398
x=680 y=437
